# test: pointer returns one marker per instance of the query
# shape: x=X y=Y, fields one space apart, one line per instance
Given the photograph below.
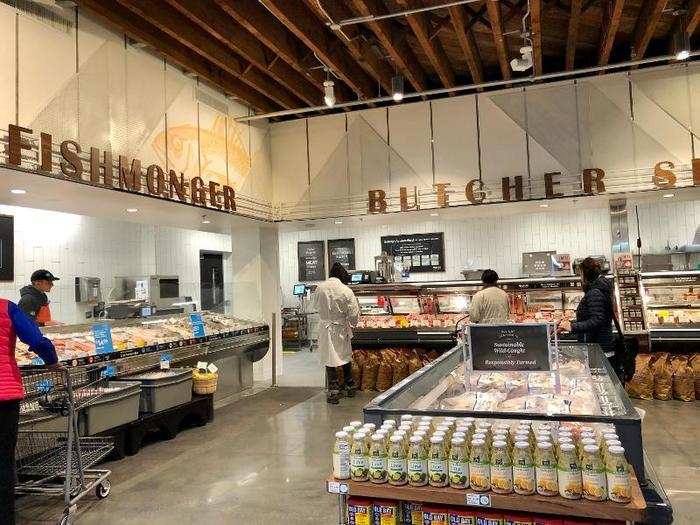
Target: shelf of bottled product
x=634 y=511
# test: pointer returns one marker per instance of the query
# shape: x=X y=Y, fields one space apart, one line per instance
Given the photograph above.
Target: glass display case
x=583 y=389
x=672 y=305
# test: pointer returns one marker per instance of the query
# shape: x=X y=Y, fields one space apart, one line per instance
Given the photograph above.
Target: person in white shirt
x=490 y=304
x=338 y=313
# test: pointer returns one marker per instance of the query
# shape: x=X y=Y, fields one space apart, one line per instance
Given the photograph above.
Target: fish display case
x=581 y=390
x=427 y=313
x=138 y=345
x=672 y=308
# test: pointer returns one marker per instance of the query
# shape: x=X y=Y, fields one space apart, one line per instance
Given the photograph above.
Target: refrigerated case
x=672 y=307
x=582 y=390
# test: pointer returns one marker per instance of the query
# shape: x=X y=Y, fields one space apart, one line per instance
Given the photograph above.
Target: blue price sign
x=109 y=371
x=37 y=361
x=103 y=338
x=197 y=325
x=45 y=385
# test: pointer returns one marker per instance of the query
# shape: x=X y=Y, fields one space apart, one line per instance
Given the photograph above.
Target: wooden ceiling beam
x=693 y=17
x=495 y=18
x=234 y=36
x=123 y=20
x=267 y=29
x=352 y=37
x=536 y=29
x=467 y=43
x=172 y=23
x=394 y=42
x=301 y=21
x=432 y=48
x=572 y=37
x=645 y=26
x=612 y=15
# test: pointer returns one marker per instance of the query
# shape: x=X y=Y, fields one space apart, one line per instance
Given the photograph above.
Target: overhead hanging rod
x=473 y=87
x=335 y=26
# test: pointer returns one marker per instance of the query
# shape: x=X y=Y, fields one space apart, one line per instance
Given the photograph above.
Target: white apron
x=338 y=312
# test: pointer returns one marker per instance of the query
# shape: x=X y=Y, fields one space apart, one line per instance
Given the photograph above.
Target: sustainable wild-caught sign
x=515 y=347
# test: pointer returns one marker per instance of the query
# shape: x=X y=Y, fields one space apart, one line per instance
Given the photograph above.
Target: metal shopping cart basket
x=59 y=462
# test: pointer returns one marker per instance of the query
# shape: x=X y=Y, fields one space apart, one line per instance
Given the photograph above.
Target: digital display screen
x=356 y=277
x=299 y=289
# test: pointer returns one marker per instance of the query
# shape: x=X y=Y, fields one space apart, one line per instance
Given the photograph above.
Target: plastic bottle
x=523 y=468
x=618 y=475
x=546 y=470
x=437 y=462
x=359 y=458
x=501 y=468
x=416 y=462
x=458 y=467
x=341 y=456
x=378 y=460
x=479 y=471
x=569 y=472
x=595 y=487
x=357 y=425
x=396 y=461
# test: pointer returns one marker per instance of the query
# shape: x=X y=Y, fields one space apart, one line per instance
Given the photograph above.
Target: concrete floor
x=264 y=458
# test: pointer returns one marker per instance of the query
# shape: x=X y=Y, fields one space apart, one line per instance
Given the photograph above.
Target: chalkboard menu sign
x=7 y=248
x=312 y=261
x=342 y=251
x=517 y=347
x=425 y=252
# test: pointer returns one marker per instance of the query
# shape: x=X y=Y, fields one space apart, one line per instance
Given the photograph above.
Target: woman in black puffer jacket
x=594 y=315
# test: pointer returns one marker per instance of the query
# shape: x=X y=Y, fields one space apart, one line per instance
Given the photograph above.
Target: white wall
x=73 y=245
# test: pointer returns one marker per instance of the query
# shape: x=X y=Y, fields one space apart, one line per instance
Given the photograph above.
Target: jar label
x=594 y=485
x=524 y=479
x=396 y=468
x=546 y=481
x=341 y=466
x=570 y=484
x=619 y=489
x=479 y=476
x=501 y=478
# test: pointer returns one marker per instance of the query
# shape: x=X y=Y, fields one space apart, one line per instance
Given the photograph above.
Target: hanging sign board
x=312 y=261
x=102 y=333
x=511 y=347
x=342 y=251
x=422 y=252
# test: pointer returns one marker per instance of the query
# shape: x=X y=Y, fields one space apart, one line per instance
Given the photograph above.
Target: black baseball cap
x=43 y=275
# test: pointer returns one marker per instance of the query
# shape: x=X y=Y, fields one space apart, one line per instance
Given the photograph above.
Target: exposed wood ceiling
x=271 y=54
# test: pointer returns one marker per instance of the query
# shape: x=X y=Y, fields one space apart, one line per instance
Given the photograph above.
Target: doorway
x=211 y=274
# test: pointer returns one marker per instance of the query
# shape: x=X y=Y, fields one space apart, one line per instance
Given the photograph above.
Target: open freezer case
x=672 y=308
x=582 y=390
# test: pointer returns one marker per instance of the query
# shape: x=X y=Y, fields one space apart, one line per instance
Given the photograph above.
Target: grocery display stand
x=632 y=512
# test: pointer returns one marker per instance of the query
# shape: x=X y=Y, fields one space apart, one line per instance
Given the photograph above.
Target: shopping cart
x=59 y=462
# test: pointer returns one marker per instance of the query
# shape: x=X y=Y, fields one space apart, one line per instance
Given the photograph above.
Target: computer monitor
x=357 y=277
x=299 y=289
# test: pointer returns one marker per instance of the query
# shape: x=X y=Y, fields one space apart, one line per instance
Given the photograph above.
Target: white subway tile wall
x=499 y=243
x=73 y=245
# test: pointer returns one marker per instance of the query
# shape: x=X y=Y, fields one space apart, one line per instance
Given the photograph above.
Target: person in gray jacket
x=490 y=304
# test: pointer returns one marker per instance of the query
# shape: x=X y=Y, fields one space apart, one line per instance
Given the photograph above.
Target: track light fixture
x=329 y=93
x=525 y=62
x=397 y=88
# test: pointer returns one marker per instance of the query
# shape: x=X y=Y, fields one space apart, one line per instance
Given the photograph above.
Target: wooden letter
x=212 y=194
x=405 y=206
x=593 y=175
x=16 y=145
x=518 y=187
x=198 y=193
x=443 y=198
x=549 y=184
x=72 y=166
x=106 y=165
x=129 y=179
x=696 y=172
x=155 y=180
x=664 y=178
x=229 y=198
x=377 y=201
x=178 y=185
x=46 y=152
x=469 y=192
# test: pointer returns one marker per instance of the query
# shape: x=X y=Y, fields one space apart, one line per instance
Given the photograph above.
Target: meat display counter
x=582 y=390
x=139 y=344
x=426 y=313
x=672 y=308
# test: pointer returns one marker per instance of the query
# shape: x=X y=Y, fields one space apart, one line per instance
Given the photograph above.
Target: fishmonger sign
x=127 y=175
x=511 y=347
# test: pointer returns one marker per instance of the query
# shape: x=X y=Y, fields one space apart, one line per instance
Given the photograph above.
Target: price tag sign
x=197 y=325
x=212 y=368
x=337 y=487
x=202 y=365
x=479 y=500
x=165 y=361
x=102 y=333
x=109 y=371
x=38 y=361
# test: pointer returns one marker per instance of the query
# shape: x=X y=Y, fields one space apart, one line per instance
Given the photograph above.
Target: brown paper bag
x=663 y=376
x=683 y=379
x=384 y=373
x=695 y=364
x=641 y=385
x=400 y=366
x=370 y=368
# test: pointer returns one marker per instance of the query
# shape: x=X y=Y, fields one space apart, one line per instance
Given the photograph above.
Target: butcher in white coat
x=338 y=313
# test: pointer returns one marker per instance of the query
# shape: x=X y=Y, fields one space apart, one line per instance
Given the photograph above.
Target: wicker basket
x=204 y=383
